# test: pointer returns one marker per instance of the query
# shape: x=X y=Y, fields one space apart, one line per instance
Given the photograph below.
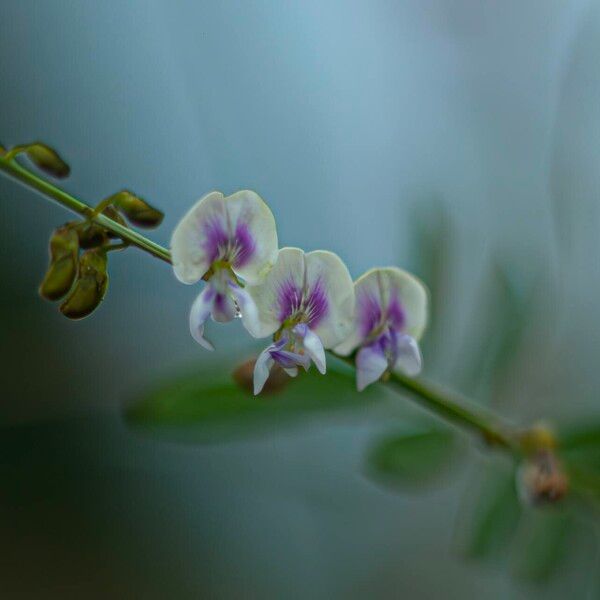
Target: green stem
x=439 y=401
x=81 y=208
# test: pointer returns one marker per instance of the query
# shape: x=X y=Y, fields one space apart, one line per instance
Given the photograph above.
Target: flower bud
x=91 y=235
x=47 y=160
x=541 y=479
x=90 y=288
x=243 y=375
x=137 y=211
x=111 y=213
x=64 y=248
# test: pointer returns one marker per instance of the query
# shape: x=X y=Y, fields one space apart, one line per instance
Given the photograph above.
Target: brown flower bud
x=64 y=248
x=90 y=288
x=137 y=211
x=541 y=479
x=243 y=375
x=47 y=159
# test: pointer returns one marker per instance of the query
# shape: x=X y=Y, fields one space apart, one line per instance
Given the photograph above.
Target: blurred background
x=459 y=139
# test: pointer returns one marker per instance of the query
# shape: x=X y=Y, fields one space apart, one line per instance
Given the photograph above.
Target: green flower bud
x=91 y=235
x=47 y=160
x=111 y=213
x=64 y=248
x=90 y=288
x=137 y=211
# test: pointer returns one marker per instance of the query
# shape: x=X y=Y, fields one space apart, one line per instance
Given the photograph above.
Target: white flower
x=391 y=315
x=227 y=241
x=307 y=301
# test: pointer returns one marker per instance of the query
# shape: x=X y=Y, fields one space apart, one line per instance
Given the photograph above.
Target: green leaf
x=496 y=516
x=581 y=446
x=410 y=459
x=542 y=544
x=208 y=407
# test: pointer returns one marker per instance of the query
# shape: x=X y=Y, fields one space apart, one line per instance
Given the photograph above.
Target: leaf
x=207 y=407
x=542 y=544
x=403 y=459
x=496 y=516
x=47 y=159
x=581 y=445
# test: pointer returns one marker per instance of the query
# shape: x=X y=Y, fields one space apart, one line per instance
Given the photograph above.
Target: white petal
x=350 y=343
x=388 y=286
x=370 y=366
x=313 y=347
x=247 y=307
x=409 y=359
x=292 y=372
x=189 y=254
x=248 y=209
x=224 y=309
x=270 y=296
x=262 y=368
x=199 y=313
x=327 y=271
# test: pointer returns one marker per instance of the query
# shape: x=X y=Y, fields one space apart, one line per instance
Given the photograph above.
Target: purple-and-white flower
x=390 y=317
x=227 y=241
x=307 y=302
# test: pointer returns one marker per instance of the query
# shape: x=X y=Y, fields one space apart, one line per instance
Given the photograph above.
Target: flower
x=391 y=315
x=227 y=241
x=307 y=301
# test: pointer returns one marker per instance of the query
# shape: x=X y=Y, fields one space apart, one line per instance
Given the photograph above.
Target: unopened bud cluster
x=77 y=272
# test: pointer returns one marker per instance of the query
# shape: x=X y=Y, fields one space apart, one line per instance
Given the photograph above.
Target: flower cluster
x=307 y=301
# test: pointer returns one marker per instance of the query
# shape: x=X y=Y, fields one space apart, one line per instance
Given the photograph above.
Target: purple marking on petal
x=395 y=313
x=243 y=245
x=369 y=313
x=289 y=359
x=216 y=239
x=289 y=299
x=316 y=306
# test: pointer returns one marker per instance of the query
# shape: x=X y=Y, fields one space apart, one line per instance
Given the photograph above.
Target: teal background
x=354 y=120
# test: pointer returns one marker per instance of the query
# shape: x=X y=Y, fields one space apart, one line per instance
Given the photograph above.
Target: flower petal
x=262 y=368
x=408 y=359
x=279 y=293
x=252 y=225
x=312 y=346
x=329 y=297
x=371 y=364
x=239 y=229
x=199 y=313
x=292 y=371
x=246 y=305
x=224 y=309
x=196 y=237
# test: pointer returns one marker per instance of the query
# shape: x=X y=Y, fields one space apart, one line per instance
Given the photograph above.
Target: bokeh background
x=460 y=139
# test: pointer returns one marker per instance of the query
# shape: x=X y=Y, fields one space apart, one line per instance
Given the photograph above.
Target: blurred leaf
x=542 y=544
x=431 y=238
x=47 y=159
x=497 y=332
x=581 y=445
x=209 y=406
x=411 y=458
x=496 y=516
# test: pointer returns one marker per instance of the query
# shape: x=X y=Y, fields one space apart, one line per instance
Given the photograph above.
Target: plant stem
x=81 y=208
x=448 y=406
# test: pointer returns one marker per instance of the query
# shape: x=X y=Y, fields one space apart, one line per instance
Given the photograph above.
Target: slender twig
x=446 y=405
x=12 y=168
